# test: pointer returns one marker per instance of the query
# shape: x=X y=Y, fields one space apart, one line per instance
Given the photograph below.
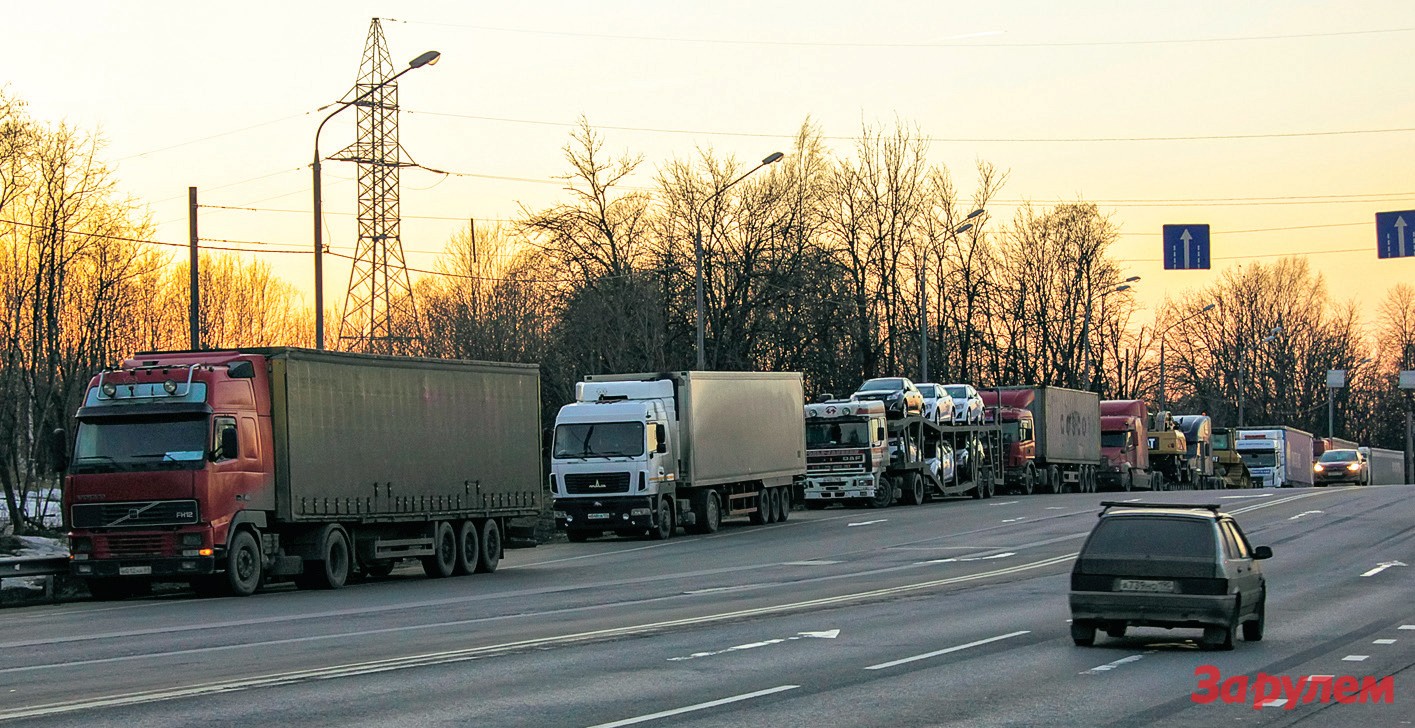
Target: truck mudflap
x=165 y=566
x=605 y=514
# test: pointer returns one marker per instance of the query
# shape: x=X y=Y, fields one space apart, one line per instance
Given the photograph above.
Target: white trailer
x=1277 y=457
x=645 y=453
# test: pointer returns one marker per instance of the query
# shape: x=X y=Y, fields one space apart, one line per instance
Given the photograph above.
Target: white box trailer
x=1277 y=456
x=1387 y=466
x=645 y=453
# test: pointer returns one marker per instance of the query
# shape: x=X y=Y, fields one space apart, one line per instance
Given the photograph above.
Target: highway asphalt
x=950 y=613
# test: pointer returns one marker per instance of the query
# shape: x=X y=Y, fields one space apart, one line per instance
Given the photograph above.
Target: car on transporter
x=899 y=395
x=1170 y=565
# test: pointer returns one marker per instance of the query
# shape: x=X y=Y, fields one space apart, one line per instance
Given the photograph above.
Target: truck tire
x=773 y=505
x=1053 y=479
x=884 y=494
x=662 y=530
x=1029 y=479
x=444 y=552
x=707 y=511
x=468 y=548
x=913 y=490
x=787 y=499
x=760 y=516
x=331 y=571
x=489 y=556
x=244 y=568
x=1157 y=482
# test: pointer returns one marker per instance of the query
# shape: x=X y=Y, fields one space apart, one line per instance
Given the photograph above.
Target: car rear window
x=1151 y=537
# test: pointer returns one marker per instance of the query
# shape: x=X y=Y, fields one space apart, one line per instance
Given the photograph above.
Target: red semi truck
x=1051 y=437
x=227 y=468
x=1125 y=445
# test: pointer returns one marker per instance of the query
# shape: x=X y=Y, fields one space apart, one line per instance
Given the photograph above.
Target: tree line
x=838 y=265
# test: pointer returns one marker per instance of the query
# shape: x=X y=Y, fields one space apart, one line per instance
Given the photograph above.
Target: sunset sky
x=1284 y=125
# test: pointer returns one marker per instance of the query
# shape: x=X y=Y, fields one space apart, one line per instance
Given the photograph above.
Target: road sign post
x=1186 y=247
x=1395 y=234
x=1407 y=382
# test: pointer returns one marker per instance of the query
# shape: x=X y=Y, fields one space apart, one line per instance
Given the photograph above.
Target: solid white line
x=699 y=706
x=1407 y=626
x=867 y=523
x=936 y=653
x=1355 y=658
x=1383 y=642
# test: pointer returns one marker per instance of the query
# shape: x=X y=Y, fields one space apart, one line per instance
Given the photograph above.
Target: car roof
x=1204 y=511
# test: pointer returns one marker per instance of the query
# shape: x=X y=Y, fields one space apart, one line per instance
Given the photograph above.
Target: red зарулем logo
x=1271 y=691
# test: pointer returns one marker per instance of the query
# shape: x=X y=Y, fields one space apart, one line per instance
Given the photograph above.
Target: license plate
x=134 y=570
x=1146 y=585
x=599 y=516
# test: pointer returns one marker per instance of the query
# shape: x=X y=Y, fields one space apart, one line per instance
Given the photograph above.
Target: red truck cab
x=1124 y=444
x=170 y=451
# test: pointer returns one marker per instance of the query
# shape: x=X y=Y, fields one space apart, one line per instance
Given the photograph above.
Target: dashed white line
x=1407 y=626
x=699 y=706
x=1272 y=703
x=1098 y=669
x=866 y=523
x=936 y=653
x=1014 y=520
x=821 y=562
x=1355 y=658
x=1005 y=503
x=1383 y=642
x=1303 y=513
x=1382 y=567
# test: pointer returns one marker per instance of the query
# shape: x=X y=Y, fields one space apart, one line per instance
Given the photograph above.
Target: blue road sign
x=1186 y=247
x=1395 y=234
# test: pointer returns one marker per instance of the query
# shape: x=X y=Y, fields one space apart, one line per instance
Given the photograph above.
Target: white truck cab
x=847 y=451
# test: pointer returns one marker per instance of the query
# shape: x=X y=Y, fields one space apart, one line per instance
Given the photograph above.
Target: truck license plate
x=134 y=570
x=599 y=516
x=1147 y=585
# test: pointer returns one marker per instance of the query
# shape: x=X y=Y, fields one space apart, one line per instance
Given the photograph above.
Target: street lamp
x=1086 y=327
x=1165 y=335
x=1242 y=383
x=1336 y=379
x=772 y=158
x=426 y=59
x=924 y=301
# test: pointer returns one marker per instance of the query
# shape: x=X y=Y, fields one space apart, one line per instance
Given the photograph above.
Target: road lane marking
x=1014 y=520
x=1303 y=513
x=1055 y=508
x=1383 y=642
x=1272 y=703
x=1235 y=497
x=826 y=635
x=1098 y=669
x=1002 y=555
x=867 y=523
x=1407 y=626
x=1382 y=567
x=469 y=653
x=1280 y=501
x=1005 y=503
x=699 y=706
x=1355 y=658
x=945 y=651
x=821 y=562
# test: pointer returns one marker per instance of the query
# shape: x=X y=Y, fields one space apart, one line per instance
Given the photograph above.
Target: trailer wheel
x=1157 y=482
x=444 y=552
x=763 y=511
x=468 y=548
x=913 y=490
x=773 y=505
x=707 y=512
x=489 y=557
x=1029 y=479
x=331 y=570
x=1053 y=479
x=785 y=503
x=244 y=570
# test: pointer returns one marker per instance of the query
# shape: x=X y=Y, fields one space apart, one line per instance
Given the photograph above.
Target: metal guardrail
x=15 y=567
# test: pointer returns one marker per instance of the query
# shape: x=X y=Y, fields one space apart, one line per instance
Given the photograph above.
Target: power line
x=1271 y=229
x=463 y=218
x=1253 y=256
x=932 y=138
x=213 y=136
x=876 y=45
x=145 y=241
x=183 y=196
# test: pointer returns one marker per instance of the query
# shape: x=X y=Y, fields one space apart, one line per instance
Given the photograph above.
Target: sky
x=1285 y=126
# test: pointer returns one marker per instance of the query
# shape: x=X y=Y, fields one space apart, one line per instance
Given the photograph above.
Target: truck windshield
x=1259 y=458
x=1011 y=431
x=837 y=434
x=110 y=445
x=1220 y=440
x=599 y=440
x=1114 y=439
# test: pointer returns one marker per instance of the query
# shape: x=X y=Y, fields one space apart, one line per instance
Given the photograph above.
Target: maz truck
x=1277 y=457
x=639 y=454
x=226 y=469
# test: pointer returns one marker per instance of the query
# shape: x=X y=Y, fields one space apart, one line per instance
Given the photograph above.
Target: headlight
x=1354 y=467
x=191 y=539
x=1318 y=468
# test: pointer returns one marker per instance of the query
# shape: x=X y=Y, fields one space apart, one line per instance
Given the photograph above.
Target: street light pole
x=924 y=302
x=1165 y=336
x=772 y=158
x=426 y=59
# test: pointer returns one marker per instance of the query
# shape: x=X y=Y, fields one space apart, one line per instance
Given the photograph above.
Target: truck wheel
x=489 y=557
x=708 y=509
x=773 y=505
x=468 y=548
x=1053 y=479
x=244 y=570
x=763 y=510
x=785 y=504
x=663 y=524
x=914 y=490
x=884 y=494
x=331 y=571
x=444 y=552
x=1029 y=480
x=1157 y=483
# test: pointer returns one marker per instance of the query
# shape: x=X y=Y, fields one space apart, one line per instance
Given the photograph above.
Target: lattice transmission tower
x=380 y=316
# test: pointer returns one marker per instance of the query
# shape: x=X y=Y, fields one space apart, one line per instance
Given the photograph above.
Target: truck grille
x=139 y=514
x=137 y=544
x=596 y=483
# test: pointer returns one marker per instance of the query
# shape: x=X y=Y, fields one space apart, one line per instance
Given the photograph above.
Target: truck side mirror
x=59 y=450
x=660 y=433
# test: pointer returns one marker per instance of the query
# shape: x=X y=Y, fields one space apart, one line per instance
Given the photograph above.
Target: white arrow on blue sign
x=1395 y=234
x=1186 y=247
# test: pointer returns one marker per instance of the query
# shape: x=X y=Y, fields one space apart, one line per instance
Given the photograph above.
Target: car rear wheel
x=1221 y=638
x=1083 y=634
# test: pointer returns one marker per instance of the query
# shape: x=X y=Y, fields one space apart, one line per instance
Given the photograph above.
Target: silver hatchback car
x=1168 y=565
